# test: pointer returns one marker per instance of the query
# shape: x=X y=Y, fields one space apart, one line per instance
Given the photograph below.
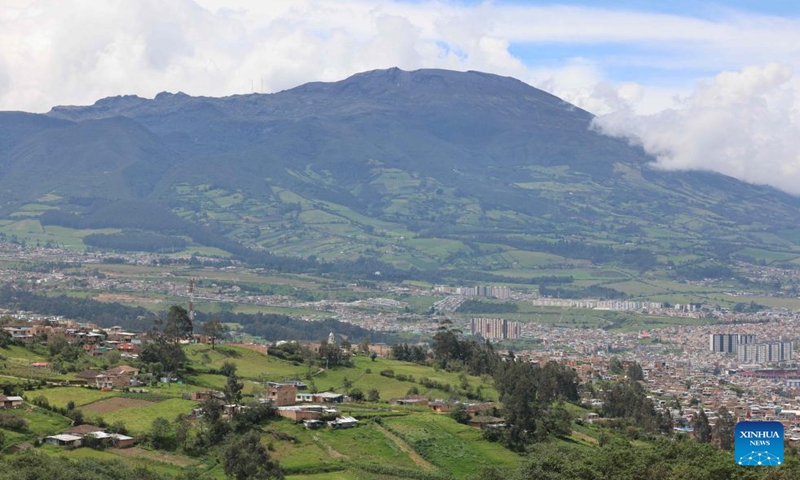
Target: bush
x=12 y=422
x=357 y=395
x=388 y=373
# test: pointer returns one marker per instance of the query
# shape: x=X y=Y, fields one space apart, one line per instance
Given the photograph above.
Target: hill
x=424 y=169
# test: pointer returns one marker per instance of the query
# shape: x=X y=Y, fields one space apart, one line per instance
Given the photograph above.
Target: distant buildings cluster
x=488 y=291
x=495 y=328
x=729 y=342
x=748 y=351
x=772 y=352
x=589 y=303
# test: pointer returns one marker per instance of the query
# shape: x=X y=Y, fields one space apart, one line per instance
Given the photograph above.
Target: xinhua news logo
x=759 y=444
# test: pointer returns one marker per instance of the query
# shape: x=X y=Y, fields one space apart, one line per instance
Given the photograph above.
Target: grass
x=22 y=355
x=41 y=423
x=392 y=387
x=302 y=456
x=249 y=364
x=365 y=444
x=110 y=456
x=345 y=475
x=61 y=396
x=456 y=448
x=139 y=419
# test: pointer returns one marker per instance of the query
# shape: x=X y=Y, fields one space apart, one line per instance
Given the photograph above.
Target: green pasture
x=327 y=448
x=151 y=462
x=249 y=363
x=768 y=256
x=140 y=419
x=61 y=396
x=456 y=448
x=41 y=423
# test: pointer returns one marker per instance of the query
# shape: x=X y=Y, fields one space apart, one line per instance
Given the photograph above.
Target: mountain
x=429 y=168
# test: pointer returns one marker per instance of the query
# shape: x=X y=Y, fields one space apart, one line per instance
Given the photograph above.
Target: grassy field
x=249 y=364
x=41 y=423
x=157 y=462
x=61 y=396
x=455 y=448
x=139 y=419
x=329 y=449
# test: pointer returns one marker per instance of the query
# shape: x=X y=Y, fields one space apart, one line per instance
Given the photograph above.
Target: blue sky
x=700 y=85
x=679 y=7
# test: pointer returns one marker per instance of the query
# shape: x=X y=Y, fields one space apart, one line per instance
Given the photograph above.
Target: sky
x=699 y=85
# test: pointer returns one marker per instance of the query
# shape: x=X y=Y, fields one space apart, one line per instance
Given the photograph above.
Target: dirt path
x=402 y=445
x=331 y=451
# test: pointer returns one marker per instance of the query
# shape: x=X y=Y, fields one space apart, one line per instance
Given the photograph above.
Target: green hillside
x=439 y=171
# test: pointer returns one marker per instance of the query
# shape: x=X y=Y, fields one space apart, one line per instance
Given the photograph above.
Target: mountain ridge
x=478 y=162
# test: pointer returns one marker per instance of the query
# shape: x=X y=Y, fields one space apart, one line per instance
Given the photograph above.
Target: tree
x=357 y=395
x=57 y=345
x=244 y=458
x=161 y=434
x=615 y=366
x=182 y=427
x=179 y=325
x=118 y=427
x=373 y=395
x=163 y=355
x=213 y=428
x=702 y=430
x=635 y=372
x=330 y=354
x=373 y=356
x=215 y=330
x=460 y=413
x=5 y=339
x=725 y=429
x=555 y=421
x=255 y=414
x=76 y=416
x=114 y=357
x=363 y=346
x=233 y=389
x=227 y=369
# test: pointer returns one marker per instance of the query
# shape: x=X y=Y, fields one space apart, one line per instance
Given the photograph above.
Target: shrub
x=12 y=422
x=388 y=373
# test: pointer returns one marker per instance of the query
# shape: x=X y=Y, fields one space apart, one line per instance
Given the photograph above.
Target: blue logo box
x=759 y=444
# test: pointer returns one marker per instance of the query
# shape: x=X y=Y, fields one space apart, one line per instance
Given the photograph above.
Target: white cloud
x=55 y=52
x=745 y=124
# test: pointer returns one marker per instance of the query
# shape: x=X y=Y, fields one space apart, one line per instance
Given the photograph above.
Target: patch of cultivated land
x=111 y=405
x=136 y=452
x=115 y=297
x=60 y=397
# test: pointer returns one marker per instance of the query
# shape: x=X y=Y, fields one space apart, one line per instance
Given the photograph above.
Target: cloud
x=76 y=51
x=635 y=69
x=745 y=124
